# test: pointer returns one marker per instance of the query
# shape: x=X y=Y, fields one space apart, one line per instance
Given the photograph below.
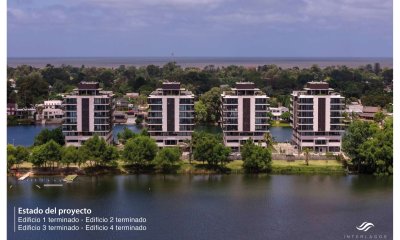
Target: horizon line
x=277 y=57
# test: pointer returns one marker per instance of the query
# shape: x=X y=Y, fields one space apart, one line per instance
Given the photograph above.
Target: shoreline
x=278 y=167
x=200 y=62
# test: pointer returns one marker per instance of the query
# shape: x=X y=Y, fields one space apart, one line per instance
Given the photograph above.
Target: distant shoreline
x=200 y=62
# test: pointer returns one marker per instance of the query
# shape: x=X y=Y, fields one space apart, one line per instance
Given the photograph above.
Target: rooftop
x=369 y=109
x=317 y=86
x=88 y=85
x=245 y=85
x=171 y=85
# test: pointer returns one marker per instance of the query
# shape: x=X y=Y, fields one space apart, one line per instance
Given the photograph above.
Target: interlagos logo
x=365 y=226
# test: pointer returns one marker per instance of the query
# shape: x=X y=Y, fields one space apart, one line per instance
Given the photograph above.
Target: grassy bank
x=280 y=124
x=314 y=167
x=197 y=167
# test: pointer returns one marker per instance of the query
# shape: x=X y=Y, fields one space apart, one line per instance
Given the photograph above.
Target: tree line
x=370 y=83
x=370 y=146
x=139 y=152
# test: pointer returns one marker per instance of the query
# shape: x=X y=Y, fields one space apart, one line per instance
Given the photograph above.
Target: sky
x=208 y=28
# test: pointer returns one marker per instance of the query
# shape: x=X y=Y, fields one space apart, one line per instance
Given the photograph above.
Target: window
x=261 y=114
x=155 y=107
x=261 y=127
x=261 y=107
x=186 y=127
x=101 y=101
x=70 y=100
x=70 y=108
x=154 y=121
x=186 y=101
x=230 y=101
x=230 y=127
x=306 y=100
x=154 y=101
x=261 y=100
x=186 y=114
x=155 y=114
x=186 y=108
x=231 y=121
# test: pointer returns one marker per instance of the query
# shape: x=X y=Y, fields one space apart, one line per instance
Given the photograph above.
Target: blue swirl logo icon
x=365 y=226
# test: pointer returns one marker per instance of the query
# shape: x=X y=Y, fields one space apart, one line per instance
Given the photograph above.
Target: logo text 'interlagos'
x=365 y=226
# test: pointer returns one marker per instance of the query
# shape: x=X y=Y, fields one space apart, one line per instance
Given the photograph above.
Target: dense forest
x=370 y=83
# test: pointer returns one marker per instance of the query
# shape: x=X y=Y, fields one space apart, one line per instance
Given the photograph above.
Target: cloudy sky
x=265 y=28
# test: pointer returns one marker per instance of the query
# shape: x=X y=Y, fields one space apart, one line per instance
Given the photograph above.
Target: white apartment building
x=87 y=111
x=316 y=118
x=170 y=118
x=52 y=109
x=244 y=115
x=277 y=112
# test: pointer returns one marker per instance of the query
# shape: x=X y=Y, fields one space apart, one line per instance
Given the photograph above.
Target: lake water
x=215 y=206
x=25 y=134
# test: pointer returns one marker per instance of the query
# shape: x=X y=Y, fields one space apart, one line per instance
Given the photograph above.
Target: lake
x=25 y=134
x=215 y=206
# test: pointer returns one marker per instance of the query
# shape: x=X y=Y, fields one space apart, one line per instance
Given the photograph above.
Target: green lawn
x=280 y=124
x=278 y=167
x=299 y=166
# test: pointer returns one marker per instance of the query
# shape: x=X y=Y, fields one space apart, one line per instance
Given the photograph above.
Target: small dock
x=52 y=185
x=24 y=176
x=70 y=178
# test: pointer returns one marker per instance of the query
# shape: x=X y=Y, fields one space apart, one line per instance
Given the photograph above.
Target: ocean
x=200 y=62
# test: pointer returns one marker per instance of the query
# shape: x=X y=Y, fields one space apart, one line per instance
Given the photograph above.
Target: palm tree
x=269 y=140
x=306 y=152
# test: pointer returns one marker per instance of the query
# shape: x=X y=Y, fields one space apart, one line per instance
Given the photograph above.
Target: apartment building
x=316 y=118
x=170 y=118
x=87 y=111
x=52 y=109
x=244 y=115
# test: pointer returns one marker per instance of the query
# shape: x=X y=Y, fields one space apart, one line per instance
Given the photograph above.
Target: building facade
x=170 y=117
x=244 y=115
x=12 y=109
x=277 y=112
x=87 y=112
x=317 y=118
x=52 y=109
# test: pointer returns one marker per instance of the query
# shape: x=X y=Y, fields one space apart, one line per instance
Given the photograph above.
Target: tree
x=94 y=148
x=207 y=147
x=46 y=135
x=286 y=116
x=255 y=158
x=139 y=120
x=31 y=89
x=379 y=117
x=10 y=156
x=110 y=155
x=357 y=133
x=21 y=154
x=376 y=153
x=38 y=156
x=167 y=159
x=200 y=112
x=212 y=103
x=52 y=152
x=126 y=134
x=269 y=140
x=306 y=152
x=140 y=150
x=70 y=155
x=145 y=132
